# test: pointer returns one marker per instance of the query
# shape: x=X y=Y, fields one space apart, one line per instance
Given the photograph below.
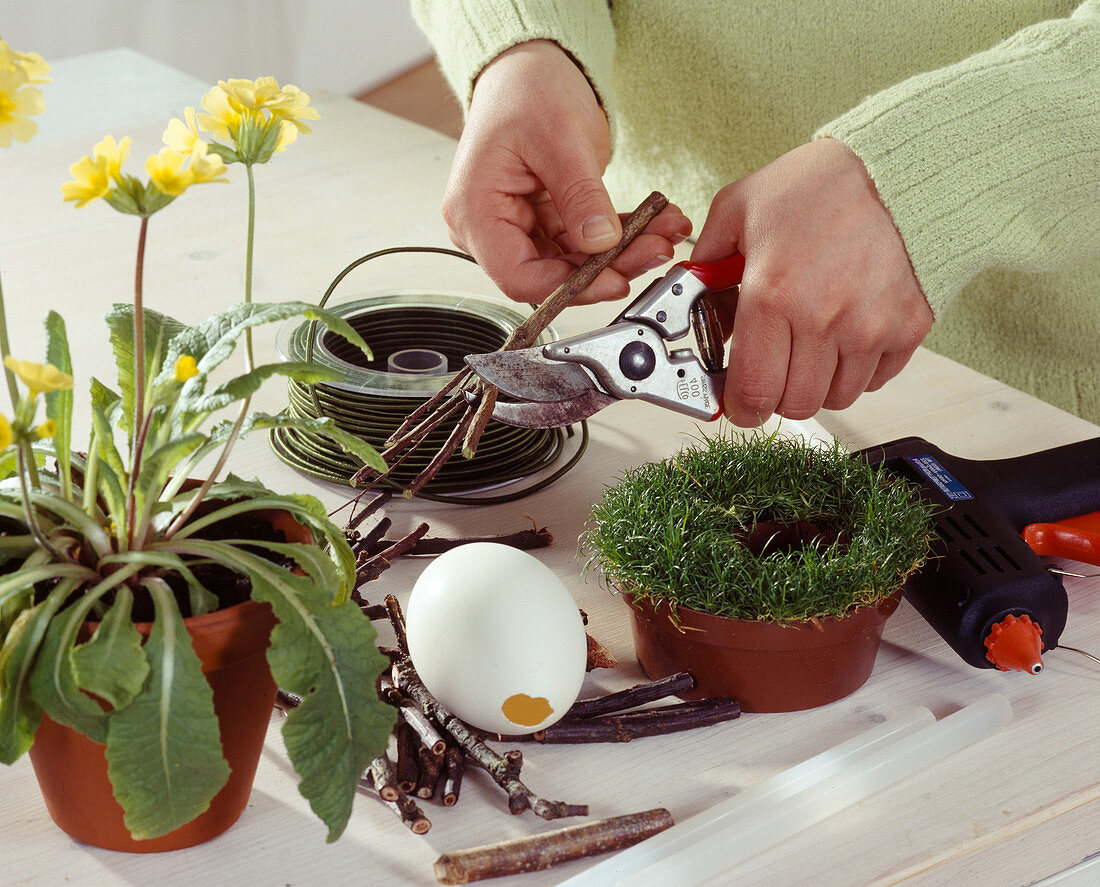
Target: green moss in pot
x=763 y=564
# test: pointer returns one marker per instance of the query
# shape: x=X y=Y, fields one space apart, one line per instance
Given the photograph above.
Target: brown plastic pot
x=767 y=667
x=72 y=770
x=232 y=646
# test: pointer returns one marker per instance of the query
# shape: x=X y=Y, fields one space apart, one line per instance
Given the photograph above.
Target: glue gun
x=985 y=590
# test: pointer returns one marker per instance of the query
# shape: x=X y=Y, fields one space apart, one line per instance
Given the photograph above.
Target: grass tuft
x=680 y=529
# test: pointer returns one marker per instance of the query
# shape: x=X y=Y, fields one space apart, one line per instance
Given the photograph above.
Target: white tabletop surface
x=1017 y=808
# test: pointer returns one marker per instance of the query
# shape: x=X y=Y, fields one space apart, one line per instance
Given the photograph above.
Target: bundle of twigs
x=467 y=400
x=433 y=746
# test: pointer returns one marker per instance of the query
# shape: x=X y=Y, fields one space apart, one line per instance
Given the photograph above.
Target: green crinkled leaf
x=324 y=652
x=164 y=753
x=103 y=398
x=59 y=404
x=213 y=340
x=159 y=330
x=19 y=713
x=111 y=664
x=53 y=684
x=326 y=427
x=159 y=463
x=107 y=451
x=306 y=509
x=245 y=385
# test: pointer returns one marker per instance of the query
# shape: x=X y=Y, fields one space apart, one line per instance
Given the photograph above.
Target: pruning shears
x=568 y=380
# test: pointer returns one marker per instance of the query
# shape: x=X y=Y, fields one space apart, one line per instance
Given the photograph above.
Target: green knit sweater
x=978 y=121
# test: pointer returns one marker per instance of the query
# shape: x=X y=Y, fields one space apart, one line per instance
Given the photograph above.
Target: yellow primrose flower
x=250 y=94
x=222 y=121
x=30 y=63
x=166 y=172
x=292 y=105
x=244 y=110
x=93 y=175
x=186 y=367
x=114 y=155
x=17 y=103
x=168 y=175
x=182 y=135
x=288 y=134
x=5 y=432
x=91 y=181
x=47 y=429
x=39 y=376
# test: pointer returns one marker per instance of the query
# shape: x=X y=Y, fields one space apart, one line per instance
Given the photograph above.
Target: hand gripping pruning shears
x=568 y=380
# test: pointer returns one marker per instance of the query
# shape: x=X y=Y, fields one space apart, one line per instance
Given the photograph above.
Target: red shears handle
x=722 y=274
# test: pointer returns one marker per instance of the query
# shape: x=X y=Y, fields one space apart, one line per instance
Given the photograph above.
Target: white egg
x=496 y=637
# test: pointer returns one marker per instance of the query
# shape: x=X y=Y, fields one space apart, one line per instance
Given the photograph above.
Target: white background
x=344 y=46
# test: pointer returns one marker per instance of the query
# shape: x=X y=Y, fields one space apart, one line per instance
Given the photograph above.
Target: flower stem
x=199 y=494
x=249 y=239
x=181 y=519
x=139 y=328
x=137 y=429
x=28 y=507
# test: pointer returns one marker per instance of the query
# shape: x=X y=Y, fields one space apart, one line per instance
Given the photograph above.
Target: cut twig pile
x=433 y=747
x=467 y=400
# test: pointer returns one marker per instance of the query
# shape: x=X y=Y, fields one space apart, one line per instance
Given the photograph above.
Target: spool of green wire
x=419 y=341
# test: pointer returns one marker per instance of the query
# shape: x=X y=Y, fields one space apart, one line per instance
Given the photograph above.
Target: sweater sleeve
x=993 y=161
x=468 y=34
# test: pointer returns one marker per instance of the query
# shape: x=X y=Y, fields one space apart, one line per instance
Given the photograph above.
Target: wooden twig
x=373 y=567
x=432 y=545
x=454 y=766
x=636 y=725
x=285 y=701
x=398 y=449
x=540 y=852
x=408 y=758
x=383 y=777
x=430 y=768
x=421 y=724
x=397 y=620
x=632 y=697
x=372 y=611
x=410 y=814
x=367 y=543
x=430 y=404
x=370 y=508
x=598 y=656
x=450 y=445
x=481 y=419
x=631 y=725
x=520 y=797
x=525 y=335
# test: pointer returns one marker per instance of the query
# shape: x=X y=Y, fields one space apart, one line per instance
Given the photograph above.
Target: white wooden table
x=1014 y=809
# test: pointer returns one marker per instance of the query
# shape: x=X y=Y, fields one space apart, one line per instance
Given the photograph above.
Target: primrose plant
x=92 y=541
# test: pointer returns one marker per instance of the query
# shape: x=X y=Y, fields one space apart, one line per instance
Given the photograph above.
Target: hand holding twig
x=471 y=399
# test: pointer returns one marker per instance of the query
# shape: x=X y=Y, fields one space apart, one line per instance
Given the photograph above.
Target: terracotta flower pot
x=72 y=770
x=232 y=646
x=767 y=667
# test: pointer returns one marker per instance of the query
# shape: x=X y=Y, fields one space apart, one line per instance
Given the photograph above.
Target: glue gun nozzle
x=1016 y=644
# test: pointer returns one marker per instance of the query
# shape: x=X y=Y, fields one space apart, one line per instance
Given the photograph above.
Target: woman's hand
x=526 y=196
x=829 y=306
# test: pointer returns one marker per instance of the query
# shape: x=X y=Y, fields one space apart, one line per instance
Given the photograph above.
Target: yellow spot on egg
x=526 y=710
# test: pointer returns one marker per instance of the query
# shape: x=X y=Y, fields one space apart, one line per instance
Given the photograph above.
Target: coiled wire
x=371 y=402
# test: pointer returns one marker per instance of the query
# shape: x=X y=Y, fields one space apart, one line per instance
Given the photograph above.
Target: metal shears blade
x=565 y=381
x=549 y=393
